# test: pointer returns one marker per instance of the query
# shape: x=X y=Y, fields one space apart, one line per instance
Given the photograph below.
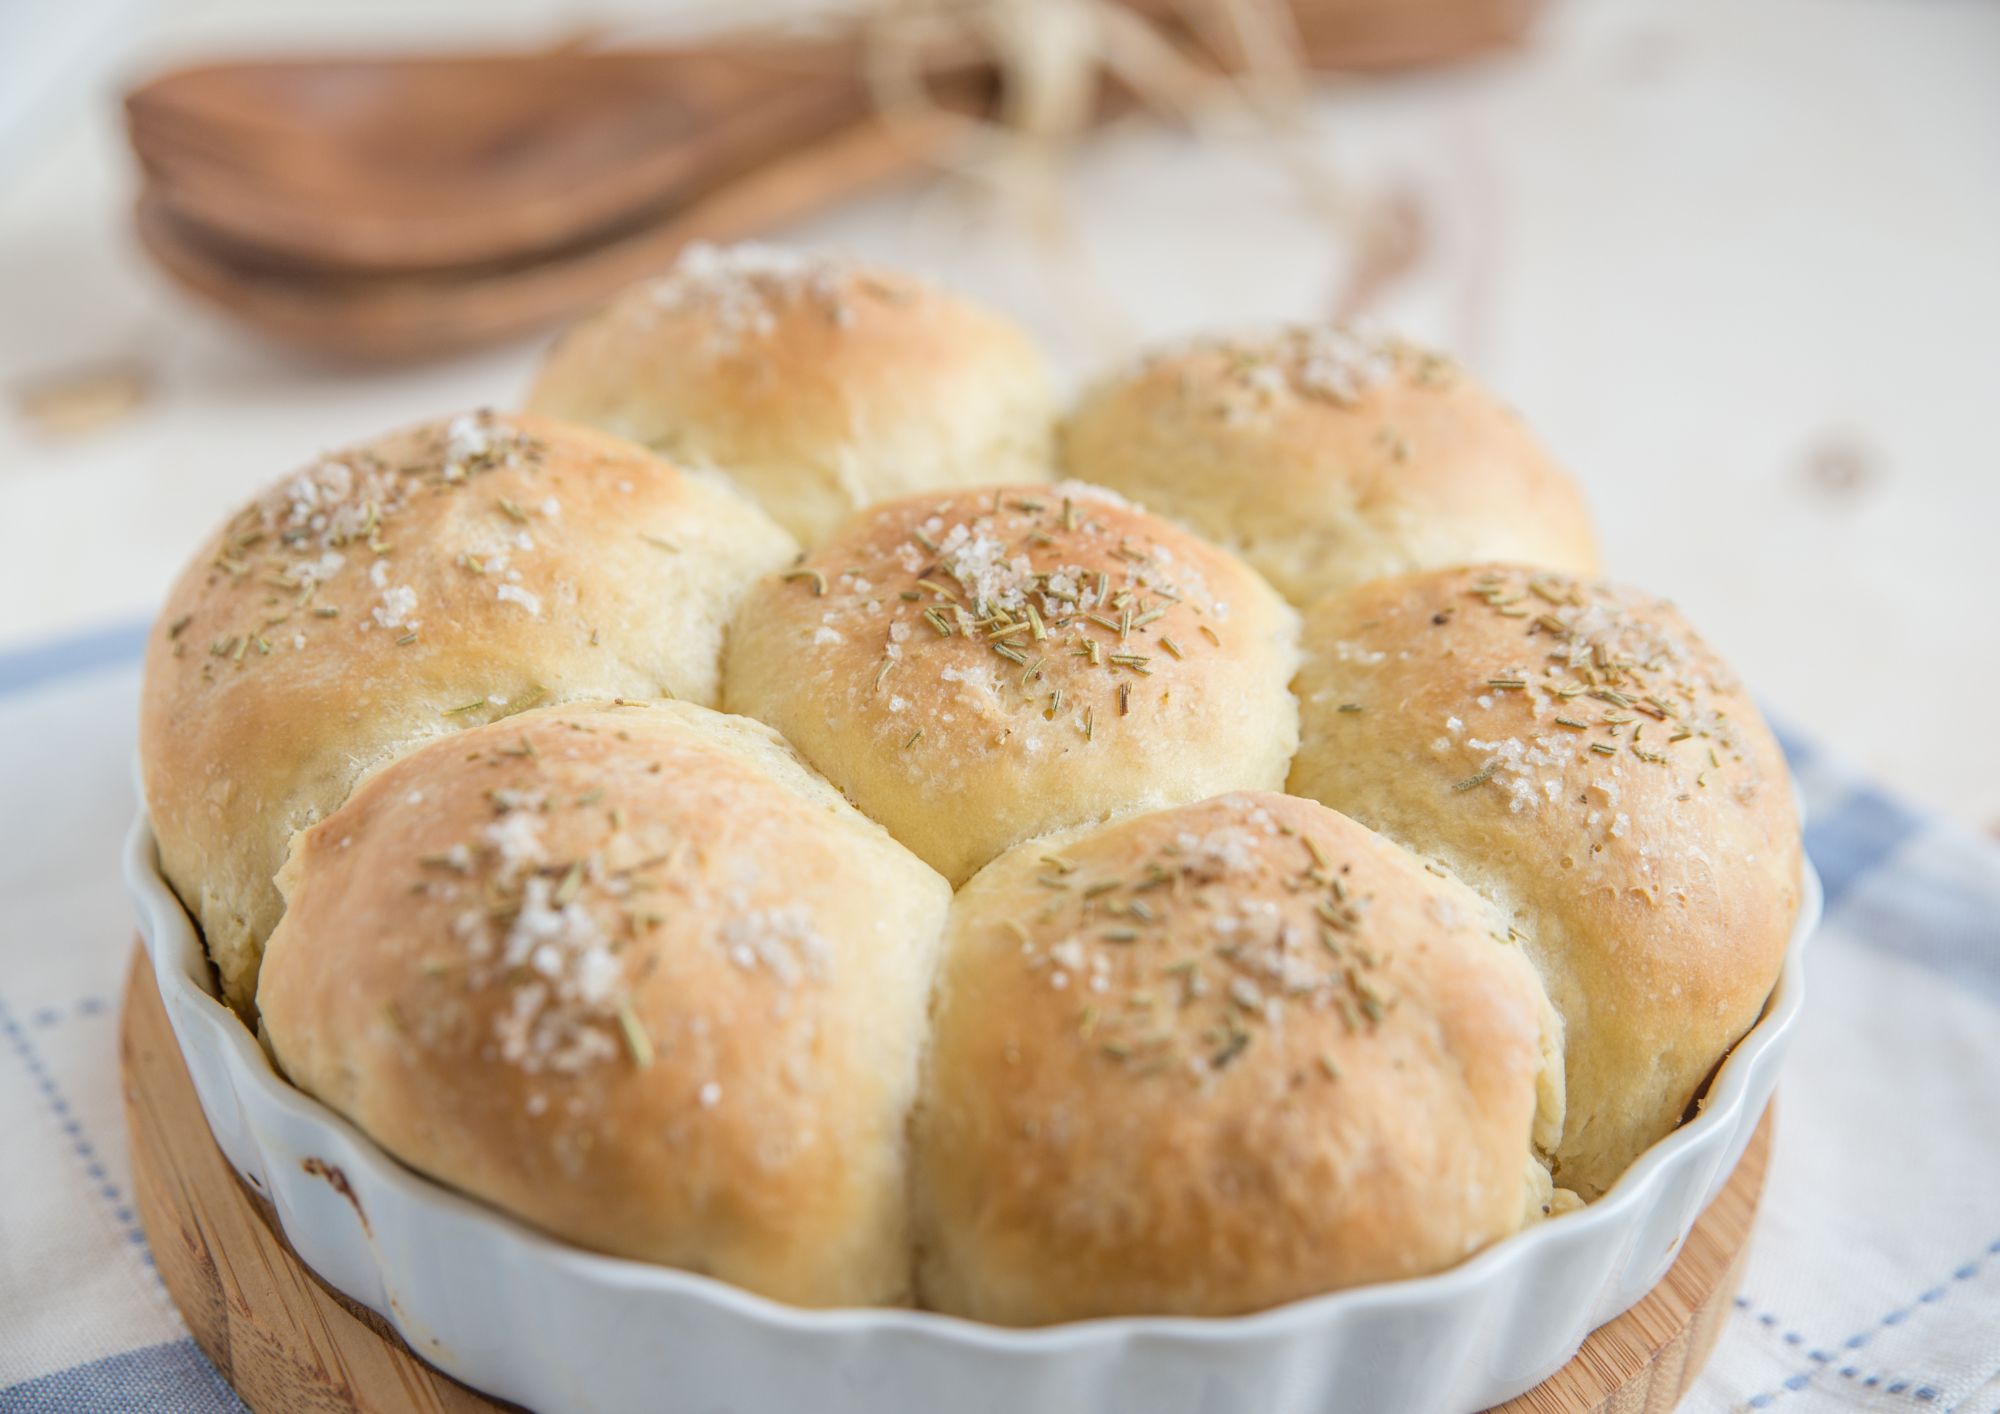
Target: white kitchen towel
x=1874 y=1279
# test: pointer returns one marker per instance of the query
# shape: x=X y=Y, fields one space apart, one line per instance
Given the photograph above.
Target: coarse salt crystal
x=514 y=594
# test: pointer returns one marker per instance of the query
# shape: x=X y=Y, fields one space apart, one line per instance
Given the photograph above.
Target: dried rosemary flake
x=1212 y=635
x=1479 y=778
x=915 y=737
x=1348 y=707
x=572 y=880
x=1171 y=646
x=1124 y=699
x=511 y=510
x=659 y=543
x=636 y=1041
x=814 y=577
x=1326 y=1064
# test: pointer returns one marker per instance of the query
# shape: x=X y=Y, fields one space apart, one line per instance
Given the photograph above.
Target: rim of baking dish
x=179 y=962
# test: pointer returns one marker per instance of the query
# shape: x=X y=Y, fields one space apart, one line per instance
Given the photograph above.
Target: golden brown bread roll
x=631 y=970
x=1575 y=752
x=433 y=579
x=819 y=384
x=1326 y=459
x=632 y=973
x=1217 y=1057
x=977 y=667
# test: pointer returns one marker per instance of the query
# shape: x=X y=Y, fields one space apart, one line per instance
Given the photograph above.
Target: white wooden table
x=1739 y=262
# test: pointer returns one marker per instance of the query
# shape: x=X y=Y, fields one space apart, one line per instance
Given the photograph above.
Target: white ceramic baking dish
x=529 y=1319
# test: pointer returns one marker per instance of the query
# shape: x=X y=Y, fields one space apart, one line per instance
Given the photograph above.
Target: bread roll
x=819 y=384
x=1575 y=752
x=633 y=974
x=978 y=667
x=1326 y=459
x=1214 y=1058
x=433 y=579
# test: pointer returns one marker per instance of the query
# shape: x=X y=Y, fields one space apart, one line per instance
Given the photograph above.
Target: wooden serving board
x=289 y=1344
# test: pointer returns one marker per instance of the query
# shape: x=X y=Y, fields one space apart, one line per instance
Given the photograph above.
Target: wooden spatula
x=378 y=317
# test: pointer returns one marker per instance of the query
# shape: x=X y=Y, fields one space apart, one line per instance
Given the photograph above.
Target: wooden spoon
x=422 y=163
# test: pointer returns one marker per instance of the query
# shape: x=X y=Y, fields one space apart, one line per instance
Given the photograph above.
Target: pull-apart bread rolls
x=632 y=973
x=428 y=736
x=819 y=384
x=1575 y=752
x=1217 y=1057
x=433 y=579
x=1326 y=458
x=976 y=668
